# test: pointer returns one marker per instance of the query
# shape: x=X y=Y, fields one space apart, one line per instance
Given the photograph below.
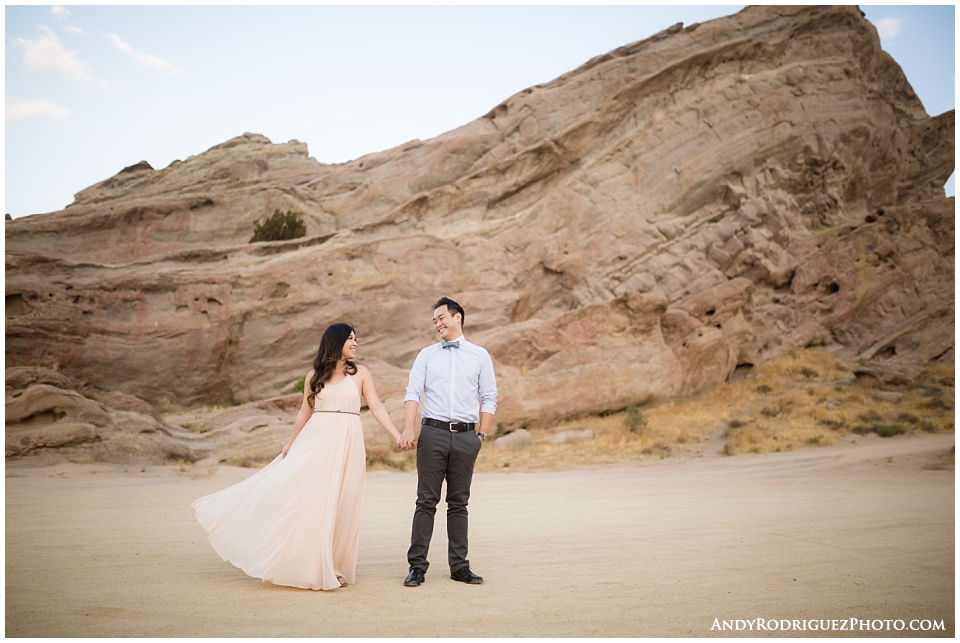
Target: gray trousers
x=443 y=454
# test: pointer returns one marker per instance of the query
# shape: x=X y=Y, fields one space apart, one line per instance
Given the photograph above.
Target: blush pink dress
x=296 y=522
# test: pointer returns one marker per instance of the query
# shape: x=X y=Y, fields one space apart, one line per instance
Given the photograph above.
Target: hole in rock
x=887 y=352
x=740 y=372
x=15 y=305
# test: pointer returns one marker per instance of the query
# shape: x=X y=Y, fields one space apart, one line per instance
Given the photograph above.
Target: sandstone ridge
x=635 y=230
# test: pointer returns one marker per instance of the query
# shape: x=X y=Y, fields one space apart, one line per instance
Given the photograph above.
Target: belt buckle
x=452 y=424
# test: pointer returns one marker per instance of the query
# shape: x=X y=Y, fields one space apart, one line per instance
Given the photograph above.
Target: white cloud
x=61 y=13
x=120 y=44
x=158 y=63
x=889 y=28
x=18 y=111
x=46 y=55
x=149 y=60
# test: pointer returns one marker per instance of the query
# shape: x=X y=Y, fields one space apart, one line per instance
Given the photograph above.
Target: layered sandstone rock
x=48 y=420
x=634 y=230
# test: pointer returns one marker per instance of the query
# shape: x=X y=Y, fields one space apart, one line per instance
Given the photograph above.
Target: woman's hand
x=407 y=440
x=286 y=447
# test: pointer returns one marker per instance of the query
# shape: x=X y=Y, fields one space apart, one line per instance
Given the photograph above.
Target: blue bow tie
x=445 y=344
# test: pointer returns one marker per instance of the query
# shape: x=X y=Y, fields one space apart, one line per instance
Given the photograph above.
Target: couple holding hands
x=296 y=522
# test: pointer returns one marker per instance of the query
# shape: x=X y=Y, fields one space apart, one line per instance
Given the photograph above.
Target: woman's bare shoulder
x=363 y=372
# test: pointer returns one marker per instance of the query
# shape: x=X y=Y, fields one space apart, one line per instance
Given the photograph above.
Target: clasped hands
x=407 y=440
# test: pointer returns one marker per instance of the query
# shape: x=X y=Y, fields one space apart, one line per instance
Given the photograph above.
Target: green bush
x=889 y=430
x=635 y=419
x=279 y=227
x=298 y=387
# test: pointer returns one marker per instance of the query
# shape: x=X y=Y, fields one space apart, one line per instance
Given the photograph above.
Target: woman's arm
x=303 y=416
x=369 y=393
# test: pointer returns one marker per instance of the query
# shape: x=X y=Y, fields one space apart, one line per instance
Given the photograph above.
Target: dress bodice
x=342 y=397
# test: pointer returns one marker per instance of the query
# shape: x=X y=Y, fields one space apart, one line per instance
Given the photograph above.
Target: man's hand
x=486 y=425
x=408 y=440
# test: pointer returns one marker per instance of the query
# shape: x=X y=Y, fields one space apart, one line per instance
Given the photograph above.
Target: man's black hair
x=452 y=307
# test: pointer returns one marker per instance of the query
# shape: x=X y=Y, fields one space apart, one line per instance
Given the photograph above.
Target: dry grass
x=247 y=460
x=781 y=406
x=383 y=460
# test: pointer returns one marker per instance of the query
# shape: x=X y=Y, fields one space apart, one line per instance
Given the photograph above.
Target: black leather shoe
x=414 y=578
x=464 y=575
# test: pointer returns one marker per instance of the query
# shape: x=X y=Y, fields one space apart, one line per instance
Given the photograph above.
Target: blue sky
x=92 y=89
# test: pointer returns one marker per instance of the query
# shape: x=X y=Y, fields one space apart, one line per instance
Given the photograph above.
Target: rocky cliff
x=633 y=231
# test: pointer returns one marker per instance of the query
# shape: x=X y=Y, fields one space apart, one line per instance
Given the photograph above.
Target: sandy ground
x=854 y=531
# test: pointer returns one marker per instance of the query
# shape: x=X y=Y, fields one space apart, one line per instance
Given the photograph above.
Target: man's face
x=446 y=325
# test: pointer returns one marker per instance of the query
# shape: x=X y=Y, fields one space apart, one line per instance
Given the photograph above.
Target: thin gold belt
x=325 y=411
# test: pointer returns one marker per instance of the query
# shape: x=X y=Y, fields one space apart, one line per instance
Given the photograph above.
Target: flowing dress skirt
x=296 y=522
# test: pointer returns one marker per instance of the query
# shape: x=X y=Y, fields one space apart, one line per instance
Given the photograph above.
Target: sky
x=90 y=90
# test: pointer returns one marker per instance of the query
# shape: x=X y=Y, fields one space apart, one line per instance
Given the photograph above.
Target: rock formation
x=48 y=419
x=634 y=230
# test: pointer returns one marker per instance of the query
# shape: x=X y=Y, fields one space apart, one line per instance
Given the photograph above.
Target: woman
x=297 y=522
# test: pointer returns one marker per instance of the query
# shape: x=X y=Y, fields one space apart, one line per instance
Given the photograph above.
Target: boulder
x=515 y=440
x=570 y=435
x=893 y=397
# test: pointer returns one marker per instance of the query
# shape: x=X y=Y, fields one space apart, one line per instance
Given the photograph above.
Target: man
x=455 y=380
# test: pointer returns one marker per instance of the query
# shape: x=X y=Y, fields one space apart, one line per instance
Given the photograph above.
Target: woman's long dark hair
x=329 y=353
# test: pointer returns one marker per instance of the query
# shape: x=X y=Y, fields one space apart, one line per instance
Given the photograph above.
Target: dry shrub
x=246 y=460
x=890 y=430
x=753 y=438
x=838 y=424
x=943 y=462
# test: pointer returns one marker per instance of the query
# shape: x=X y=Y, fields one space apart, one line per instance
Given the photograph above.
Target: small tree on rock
x=279 y=227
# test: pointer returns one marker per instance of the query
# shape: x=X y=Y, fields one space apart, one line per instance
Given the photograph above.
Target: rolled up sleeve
x=487 y=386
x=417 y=379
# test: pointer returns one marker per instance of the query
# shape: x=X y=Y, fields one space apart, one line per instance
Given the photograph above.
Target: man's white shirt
x=458 y=382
